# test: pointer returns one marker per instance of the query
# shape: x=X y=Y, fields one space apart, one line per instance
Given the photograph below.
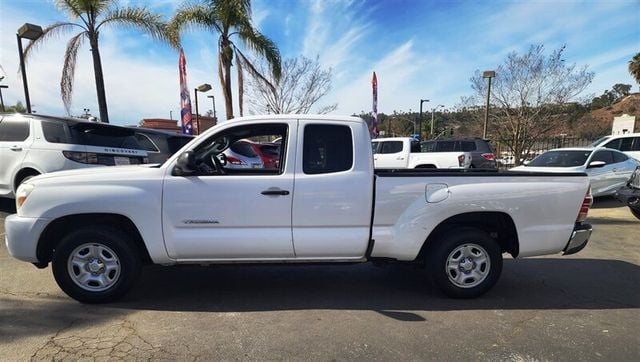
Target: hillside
x=628 y=105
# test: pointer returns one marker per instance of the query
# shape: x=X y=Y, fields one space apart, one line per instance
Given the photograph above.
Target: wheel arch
x=24 y=172
x=498 y=225
x=56 y=229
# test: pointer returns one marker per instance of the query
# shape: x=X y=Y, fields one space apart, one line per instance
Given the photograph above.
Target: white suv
x=628 y=143
x=31 y=145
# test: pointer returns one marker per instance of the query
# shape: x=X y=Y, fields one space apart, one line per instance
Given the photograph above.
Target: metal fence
x=506 y=158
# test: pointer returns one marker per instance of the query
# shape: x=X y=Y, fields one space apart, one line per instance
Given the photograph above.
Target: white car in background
x=405 y=152
x=608 y=169
x=31 y=145
x=628 y=143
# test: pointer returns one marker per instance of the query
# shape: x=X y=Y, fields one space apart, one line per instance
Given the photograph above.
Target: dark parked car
x=482 y=153
x=630 y=194
x=160 y=145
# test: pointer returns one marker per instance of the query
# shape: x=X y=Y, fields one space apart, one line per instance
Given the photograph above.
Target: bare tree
x=301 y=85
x=530 y=96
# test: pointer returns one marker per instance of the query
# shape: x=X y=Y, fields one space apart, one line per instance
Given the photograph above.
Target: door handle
x=275 y=192
x=15 y=148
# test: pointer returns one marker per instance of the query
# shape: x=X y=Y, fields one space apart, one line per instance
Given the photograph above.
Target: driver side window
x=257 y=149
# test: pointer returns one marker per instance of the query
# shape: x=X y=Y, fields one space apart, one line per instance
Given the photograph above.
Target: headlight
x=23 y=192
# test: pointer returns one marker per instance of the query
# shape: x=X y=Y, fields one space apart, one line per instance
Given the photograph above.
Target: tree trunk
x=97 y=70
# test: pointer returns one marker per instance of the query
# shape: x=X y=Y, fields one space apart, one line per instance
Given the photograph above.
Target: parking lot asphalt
x=580 y=307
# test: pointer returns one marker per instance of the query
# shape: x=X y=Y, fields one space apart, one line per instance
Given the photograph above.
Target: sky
x=419 y=49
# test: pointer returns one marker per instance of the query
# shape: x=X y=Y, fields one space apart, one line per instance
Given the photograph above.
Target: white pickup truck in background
x=322 y=203
x=404 y=152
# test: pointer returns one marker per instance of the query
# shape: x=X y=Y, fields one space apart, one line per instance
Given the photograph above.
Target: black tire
x=635 y=212
x=106 y=241
x=478 y=242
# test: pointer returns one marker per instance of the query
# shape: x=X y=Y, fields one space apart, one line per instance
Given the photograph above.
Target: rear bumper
x=579 y=239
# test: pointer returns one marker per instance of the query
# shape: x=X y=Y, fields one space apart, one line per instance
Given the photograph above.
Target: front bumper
x=22 y=235
x=579 y=239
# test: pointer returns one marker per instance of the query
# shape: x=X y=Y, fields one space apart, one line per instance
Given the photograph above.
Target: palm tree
x=634 y=67
x=89 y=17
x=230 y=19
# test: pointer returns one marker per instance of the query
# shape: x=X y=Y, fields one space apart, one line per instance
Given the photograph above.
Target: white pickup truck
x=404 y=152
x=323 y=203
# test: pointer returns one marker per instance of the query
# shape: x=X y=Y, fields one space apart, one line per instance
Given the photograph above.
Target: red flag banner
x=185 y=98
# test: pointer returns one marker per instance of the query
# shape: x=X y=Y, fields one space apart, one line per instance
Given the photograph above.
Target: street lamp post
x=31 y=32
x=2 y=100
x=420 y=121
x=213 y=100
x=487 y=74
x=202 y=88
x=433 y=111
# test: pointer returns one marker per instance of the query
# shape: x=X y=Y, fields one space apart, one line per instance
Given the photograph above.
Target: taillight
x=461 y=160
x=235 y=161
x=488 y=156
x=82 y=157
x=584 y=208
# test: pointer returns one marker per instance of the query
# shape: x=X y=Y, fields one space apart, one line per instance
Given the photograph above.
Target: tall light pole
x=487 y=74
x=31 y=32
x=433 y=111
x=202 y=88
x=213 y=100
x=420 y=120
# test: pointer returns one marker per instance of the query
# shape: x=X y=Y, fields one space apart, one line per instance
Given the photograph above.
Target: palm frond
x=139 y=18
x=232 y=12
x=191 y=16
x=241 y=58
x=52 y=31
x=240 y=83
x=69 y=70
x=263 y=46
x=70 y=7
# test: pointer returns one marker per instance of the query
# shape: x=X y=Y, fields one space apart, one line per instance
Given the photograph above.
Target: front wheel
x=466 y=263
x=95 y=265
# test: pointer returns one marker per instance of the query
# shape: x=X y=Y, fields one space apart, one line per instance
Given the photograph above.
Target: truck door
x=241 y=213
x=333 y=195
x=392 y=154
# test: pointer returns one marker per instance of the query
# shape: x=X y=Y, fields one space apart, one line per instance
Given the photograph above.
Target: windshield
x=93 y=134
x=599 y=141
x=560 y=159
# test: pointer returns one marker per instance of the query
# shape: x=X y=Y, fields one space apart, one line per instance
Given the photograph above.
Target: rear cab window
x=390 y=147
x=327 y=149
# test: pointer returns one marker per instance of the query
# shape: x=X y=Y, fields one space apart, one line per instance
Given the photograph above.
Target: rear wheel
x=96 y=265
x=466 y=263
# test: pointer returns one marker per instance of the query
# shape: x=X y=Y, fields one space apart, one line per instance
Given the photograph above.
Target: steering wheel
x=219 y=164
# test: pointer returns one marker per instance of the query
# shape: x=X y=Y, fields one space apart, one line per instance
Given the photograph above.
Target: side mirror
x=596 y=164
x=185 y=165
x=526 y=162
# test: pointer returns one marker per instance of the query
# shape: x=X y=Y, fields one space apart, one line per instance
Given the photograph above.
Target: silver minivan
x=31 y=145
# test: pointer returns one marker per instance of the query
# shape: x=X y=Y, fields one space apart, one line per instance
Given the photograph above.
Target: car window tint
x=176 y=143
x=415 y=146
x=428 y=147
x=391 y=147
x=619 y=157
x=54 y=132
x=244 y=149
x=605 y=156
x=14 y=130
x=96 y=134
x=446 y=146
x=636 y=144
x=468 y=146
x=327 y=149
x=146 y=143
x=626 y=143
x=614 y=144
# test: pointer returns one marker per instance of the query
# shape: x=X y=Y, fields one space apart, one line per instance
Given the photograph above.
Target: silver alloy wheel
x=468 y=265
x=94 y=267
